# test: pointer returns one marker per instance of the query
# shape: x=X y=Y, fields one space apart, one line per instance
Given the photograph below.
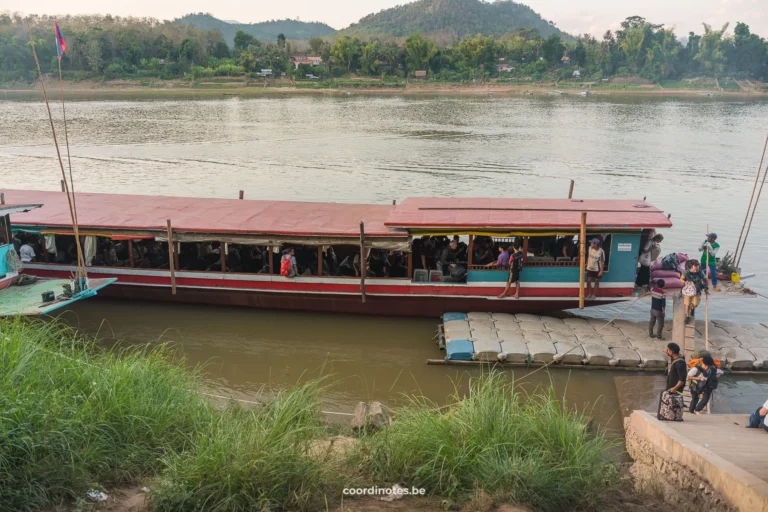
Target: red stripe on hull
x=402 y=300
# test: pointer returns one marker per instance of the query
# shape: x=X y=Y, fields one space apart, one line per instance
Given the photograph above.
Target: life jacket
x=285 y=266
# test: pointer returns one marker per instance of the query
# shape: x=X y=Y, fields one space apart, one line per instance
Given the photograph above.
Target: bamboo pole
x=131 y=261
x=223 y=256
x=363 y=261
x=751 y=197
x=582 y=258
x=63 y=186
x=171 y=259
x=242 y=194
x=570 y=190
x=81 y=272
x=319 y=261
x=66 y=140
x=269 y=255
x=470 y=250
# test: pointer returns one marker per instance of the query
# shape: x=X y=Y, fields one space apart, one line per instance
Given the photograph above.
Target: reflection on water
x=694 y=158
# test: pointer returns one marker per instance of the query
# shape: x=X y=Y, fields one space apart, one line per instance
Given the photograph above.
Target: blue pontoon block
x=459 y=350
x=447 y=317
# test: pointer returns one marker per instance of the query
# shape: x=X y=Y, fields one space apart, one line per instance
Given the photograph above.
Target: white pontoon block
x=625 y=357
x=514 y=352
x=761 y=358
x=738 y=358
x=651 y=358
x=569 y=353
x=598 y=355
x=486 y=350
x=542 y=351
x=479 y=316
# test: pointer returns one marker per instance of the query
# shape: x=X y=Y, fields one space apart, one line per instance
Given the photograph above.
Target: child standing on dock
x=658 y=309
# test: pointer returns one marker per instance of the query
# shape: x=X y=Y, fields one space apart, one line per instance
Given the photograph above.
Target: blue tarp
x=459 y=350
x=447 y=317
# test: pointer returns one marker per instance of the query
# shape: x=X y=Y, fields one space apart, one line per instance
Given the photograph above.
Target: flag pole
x=64 y=114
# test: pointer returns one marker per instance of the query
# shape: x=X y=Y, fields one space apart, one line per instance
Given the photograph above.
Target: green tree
x=243 y=40
x=746 y=52
x=711 y=50
x=369 y=55
x=345 y=50
x=552 y=50
x=478 y=50
x=391 y=54
x=316 y=43
x=281 y=40
x=418 y=52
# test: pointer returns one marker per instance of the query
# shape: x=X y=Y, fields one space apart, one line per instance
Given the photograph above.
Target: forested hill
x=266 y=31
x=443 y=19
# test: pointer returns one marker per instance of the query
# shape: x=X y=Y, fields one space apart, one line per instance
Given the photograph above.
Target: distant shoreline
x=98 y=89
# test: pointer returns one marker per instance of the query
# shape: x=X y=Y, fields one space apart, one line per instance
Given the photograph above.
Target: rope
x=749 y=227
x=751 y=197
x=81 y=274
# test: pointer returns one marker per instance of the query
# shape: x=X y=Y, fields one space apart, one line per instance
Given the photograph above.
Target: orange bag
x=696 y=362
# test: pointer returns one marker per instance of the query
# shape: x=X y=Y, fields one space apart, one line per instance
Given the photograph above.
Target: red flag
x=61 y=44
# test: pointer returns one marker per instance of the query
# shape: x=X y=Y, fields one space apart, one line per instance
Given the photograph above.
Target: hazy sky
x=593 y=16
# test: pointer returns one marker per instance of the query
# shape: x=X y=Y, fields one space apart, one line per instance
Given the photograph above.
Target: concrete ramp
x=703 y=460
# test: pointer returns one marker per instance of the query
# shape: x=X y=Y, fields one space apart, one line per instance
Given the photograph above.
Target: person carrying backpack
x=703 y=379
x=671 y=401
x=694 y=282
x=288 y=263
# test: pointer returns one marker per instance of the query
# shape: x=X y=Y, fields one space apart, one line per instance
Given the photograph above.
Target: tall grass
x=520 y=449
x=71 y=416
x=259 y=459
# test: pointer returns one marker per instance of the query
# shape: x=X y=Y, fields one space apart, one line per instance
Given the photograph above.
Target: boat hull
x=385 y=297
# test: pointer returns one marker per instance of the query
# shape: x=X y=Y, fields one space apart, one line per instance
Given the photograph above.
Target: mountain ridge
x=265 y=30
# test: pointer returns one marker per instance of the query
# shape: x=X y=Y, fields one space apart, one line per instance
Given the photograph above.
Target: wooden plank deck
x=726 y=436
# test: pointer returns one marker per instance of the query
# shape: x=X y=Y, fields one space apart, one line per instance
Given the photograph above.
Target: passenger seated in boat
x=234 y=262
x=288 y=266
x=27 y=251
x=346 y=267
x=565 y=248
x=378 y=265
x=483 y=251
x=450 y=264
x=502 y=262
x=399 y=266
x=462 y=248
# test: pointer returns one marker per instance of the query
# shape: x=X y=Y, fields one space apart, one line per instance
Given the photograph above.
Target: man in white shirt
x=27 y=253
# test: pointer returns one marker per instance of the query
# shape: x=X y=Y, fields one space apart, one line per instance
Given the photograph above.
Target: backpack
x=670 y=262
x=756 y=421
x=285 y=266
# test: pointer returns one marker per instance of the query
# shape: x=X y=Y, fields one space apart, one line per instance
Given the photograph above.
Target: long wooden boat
x=547 y=283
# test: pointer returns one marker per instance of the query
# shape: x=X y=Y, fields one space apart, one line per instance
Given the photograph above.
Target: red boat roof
x=150 y=213
x=8 y=208
x=502 y=213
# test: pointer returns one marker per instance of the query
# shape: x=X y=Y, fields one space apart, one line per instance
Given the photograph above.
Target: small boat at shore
x=228 y=251
x=21 y=295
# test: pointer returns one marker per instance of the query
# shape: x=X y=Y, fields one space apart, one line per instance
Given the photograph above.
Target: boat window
x=247 y=259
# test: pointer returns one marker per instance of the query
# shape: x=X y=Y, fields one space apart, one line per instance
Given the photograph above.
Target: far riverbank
x=248 y=88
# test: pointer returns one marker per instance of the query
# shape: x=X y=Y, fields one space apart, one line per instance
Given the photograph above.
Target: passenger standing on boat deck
x=288 y=263
x=515 y=266
x=709 y=249
x=658 y=308
x=704 y=380
x=595 y=267
x=27 y=252
x=644 y=272
x=694 y=282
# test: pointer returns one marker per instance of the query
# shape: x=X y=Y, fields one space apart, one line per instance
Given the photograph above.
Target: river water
x=695 y=158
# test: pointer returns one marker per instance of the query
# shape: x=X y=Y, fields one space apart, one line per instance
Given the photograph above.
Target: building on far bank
x=306 y=59
x=420 y=74
x=504 y=68
x=565 y=61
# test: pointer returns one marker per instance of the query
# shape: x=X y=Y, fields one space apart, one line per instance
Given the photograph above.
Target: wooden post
x=223 y=256
x=319 y=261
x=2 y=197
x=582 y=257
x=171 y=259
x=570 y=190
x=63 y=186
x=130 y=253
x=394 y=202
x=363 y=261
x=470 y=250
x=242 y=194
x=176 y=251
x=269 y=255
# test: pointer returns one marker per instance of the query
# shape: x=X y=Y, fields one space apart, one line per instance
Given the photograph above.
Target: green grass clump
x=72 y=417
x=259 y=459
x=516 y=449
